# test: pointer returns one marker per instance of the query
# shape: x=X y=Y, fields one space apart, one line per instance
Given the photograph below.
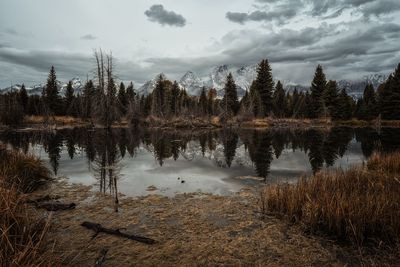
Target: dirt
x=190 y=230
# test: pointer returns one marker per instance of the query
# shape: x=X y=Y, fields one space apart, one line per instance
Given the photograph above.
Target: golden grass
x=59 y=120
x=22 y=235
x=24 y=170
x=359 y=205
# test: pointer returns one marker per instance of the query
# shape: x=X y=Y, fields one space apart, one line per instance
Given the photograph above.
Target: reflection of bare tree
x=106 y=164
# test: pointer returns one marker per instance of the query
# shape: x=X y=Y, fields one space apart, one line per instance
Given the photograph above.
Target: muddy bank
x=190 y=229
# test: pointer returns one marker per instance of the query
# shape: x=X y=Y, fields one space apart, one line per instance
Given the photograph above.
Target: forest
x=104 y=101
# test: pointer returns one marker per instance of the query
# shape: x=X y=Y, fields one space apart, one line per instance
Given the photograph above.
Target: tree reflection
x=106 y=164
x=105 y=149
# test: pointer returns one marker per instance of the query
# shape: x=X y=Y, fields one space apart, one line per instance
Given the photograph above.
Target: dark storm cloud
x=158 y=14
x=88 y=37
x=284 y=10
x=280 y=14
x=309 y=46
x=68 y=65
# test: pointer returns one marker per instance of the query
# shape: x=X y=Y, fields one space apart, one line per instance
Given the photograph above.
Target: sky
x=349 y=38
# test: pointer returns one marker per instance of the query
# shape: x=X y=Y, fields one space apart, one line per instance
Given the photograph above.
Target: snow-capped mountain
x=149 y=86
x=192 y=83
x=355 y=88
x=37 y=89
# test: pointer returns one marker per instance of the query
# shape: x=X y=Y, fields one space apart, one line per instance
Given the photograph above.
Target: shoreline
x=61 y=122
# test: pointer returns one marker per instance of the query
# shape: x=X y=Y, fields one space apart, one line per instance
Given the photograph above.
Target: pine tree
x=389 y=97
x=318 y=86
x=264 y=85
x=174 y=99
x=122 y=99
x=230 y=101
x=23 y=98
x=211 y=96
x=344 y=109
x=331 y=97
x=279 y=100
x=369 y=103
x=87 y=98
x=203 y=102
x=256 y=101
x=69 y=99
x=130 y=93
x=160 y=97
x=51 y=96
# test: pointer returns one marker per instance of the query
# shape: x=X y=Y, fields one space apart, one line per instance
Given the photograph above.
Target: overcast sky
x=350 y=38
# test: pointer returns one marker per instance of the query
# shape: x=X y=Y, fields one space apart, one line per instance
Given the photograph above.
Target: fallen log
x=101 y=258
x=97 y=228
x=42 y=199
x=54 y=206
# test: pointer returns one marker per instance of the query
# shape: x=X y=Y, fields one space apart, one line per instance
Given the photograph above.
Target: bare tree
x=106 y=110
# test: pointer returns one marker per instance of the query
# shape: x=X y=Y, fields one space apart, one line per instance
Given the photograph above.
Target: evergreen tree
x=203 y=102
x=211 y=96
x=230 y=101
x=344 y=107
x=87 y=98
x=160 y=98
x=51 y=94
x=331 y=97
x=174 y=99
x=264 y=85
x=389 y=97
x=23 y=98
x=130 y=93
x=255 y=101
x=69 y=99
x=279 y=100
x=122 y=99
x=318 y=86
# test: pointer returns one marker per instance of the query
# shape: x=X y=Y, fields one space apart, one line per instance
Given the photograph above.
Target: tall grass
x=21 y=232
x=359 y=205
x=21 y=236
x=27 y=172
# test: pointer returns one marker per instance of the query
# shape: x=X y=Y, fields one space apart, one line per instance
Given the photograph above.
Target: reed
x=25 y=171
x=360 y=205
x=22 y=235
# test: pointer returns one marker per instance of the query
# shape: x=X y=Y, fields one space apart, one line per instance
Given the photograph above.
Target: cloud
x=280 y=13
x=299 y=51
x=88 y=37
x=158 y=14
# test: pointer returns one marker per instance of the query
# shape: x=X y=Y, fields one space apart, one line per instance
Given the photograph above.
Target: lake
x=166 y=162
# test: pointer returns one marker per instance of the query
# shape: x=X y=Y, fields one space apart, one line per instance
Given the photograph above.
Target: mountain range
x=216 y=79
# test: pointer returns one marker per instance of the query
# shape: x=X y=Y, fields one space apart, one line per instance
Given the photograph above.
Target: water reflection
x=125 y=154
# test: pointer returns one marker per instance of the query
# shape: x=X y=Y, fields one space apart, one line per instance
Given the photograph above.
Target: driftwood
x=42 y=199
x=101 y=258
x=54 y=206
x=97 y=228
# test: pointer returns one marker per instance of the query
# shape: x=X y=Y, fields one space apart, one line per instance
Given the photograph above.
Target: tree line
x=104 y=101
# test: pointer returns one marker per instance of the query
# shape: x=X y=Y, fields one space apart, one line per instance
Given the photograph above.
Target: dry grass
x=25 y=171
x=361 y=205
x=21 y=233
x=21 y=236
x=58 y=120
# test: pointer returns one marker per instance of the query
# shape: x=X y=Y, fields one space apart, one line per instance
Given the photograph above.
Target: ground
x=190 y=230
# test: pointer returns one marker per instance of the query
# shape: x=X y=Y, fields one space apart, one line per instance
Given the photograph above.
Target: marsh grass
x=22 y=233
x=361 y=205
x=25 y=171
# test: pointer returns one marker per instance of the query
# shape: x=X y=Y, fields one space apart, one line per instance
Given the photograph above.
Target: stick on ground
x=97 y=228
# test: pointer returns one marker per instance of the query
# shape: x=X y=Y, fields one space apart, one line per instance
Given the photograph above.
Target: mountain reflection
x=105 y=149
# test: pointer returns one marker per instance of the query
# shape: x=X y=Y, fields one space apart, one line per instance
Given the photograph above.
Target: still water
x=147 y=161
